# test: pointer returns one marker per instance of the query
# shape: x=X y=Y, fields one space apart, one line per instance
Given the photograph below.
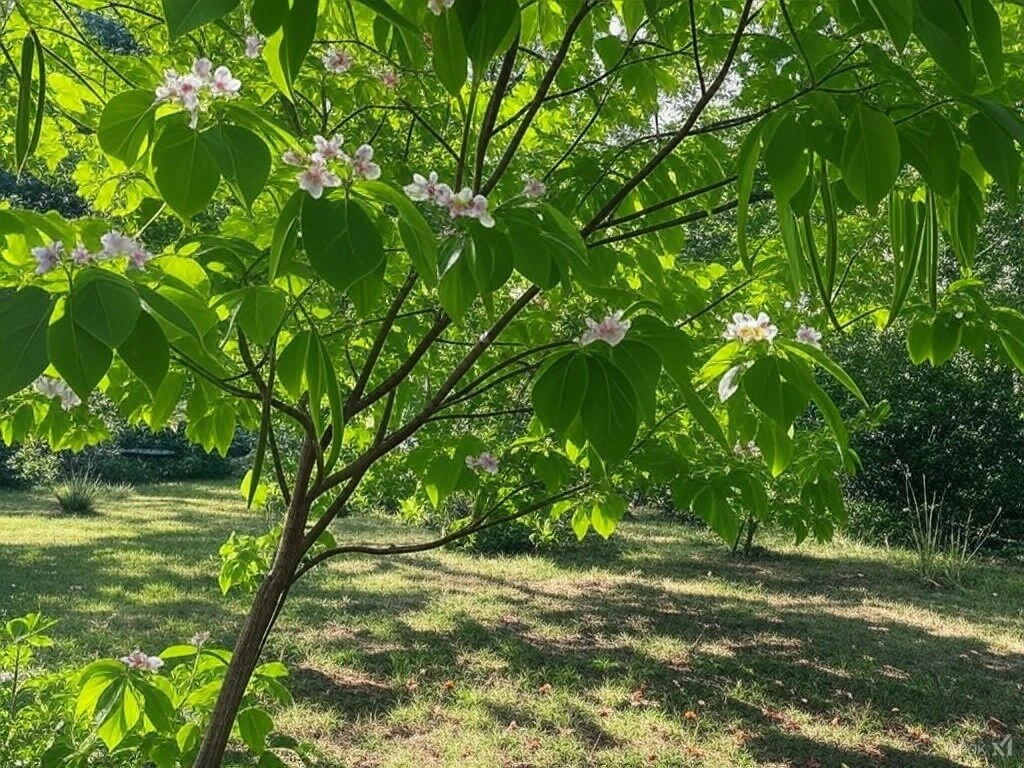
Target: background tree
x=337 y=289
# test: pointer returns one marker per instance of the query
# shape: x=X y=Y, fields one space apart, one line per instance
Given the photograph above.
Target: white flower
x=316 y=177
x=254 y=46
x=362 y=163
x=56 y=388
x=138 y=660
x=389 y=78
x=460 y=203
x=224 y=85
x=443 y=195
x=337 y=60
x=48 y=256
x=81 y=254
x=534 y=187
x=422 y=188
x=611 y=330
x=327 y=149
x=437 y=7
x=486 y=462
x=115 y=244
x=810 y=336
x=203 y=69
x=728 y=384
x=749 y=329
x=478 y=210
x=200 y=638
x=182 y=89
x=295 y=157
x=748 y=451
x=138 y=256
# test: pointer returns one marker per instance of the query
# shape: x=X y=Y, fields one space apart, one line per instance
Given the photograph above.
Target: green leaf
x=988 y=34
x=79 y=357
x=29 y=118
x=898 y=18
x=417 y=236
x=441 y=477
x=254 y=725
x=449 y=52
x=492 y=258
x=785 y=158
x=287 y=48
x=458 y=287
x=581 y=522
x=919 y=342
x=291 y=364
x=871 y=155
x=815 y=355
x=126 y=123
x=746 y=165
x=606 y=514
x=945 y=338
x=775 y=445
x=773 y=392
x=185 y=15
x=286 y=232
x=641 y=364
x=24 y=316
x=243 y=159
x=559 y=390
x=185 y=171
x=996 y=152
x=383 y=8
x=261 y=312
x=341 y=241
x=609 y=412
x=929 y=143
x=168 y=310
x=712 y=504
x=941 y=28
x=105 y=305
x=146 y=352
x=486 y=32
x=268 y=15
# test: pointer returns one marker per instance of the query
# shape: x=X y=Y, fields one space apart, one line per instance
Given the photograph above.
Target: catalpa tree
x=478 y=240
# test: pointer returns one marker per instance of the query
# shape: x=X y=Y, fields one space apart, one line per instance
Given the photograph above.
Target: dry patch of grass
x=656 y=649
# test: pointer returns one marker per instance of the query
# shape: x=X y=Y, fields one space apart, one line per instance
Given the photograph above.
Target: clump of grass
x=945 y=550
x=78 y=494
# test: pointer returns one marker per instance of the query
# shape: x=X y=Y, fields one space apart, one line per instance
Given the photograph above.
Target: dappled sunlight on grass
x=658 y=648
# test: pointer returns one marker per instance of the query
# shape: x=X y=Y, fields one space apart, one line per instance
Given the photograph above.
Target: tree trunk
x=250 y=641
x=751 y=529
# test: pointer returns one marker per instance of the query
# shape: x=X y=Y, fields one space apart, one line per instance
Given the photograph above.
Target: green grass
x=658 y=648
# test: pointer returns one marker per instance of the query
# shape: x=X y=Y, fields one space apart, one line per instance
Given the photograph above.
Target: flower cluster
x=254 y=41
x=809 y=336
x=52 y=388
x=611 y=330
x=186 y=90
x=317 y=173
x=199 y=639
x=461 y=203
x=533 y=187
x=49 y=257
x=485 y=462
x=337 y=61
x=748 y=451
x=138 y=660
x=748 y=329
x=437 y=7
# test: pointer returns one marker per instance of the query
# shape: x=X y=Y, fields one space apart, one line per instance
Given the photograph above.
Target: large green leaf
x=458 y=287
x=988 y=34
x=417 y=236
x=243 y=159
x=777 y=395
x=287 y=48
x=941 y=28
x=105 y=305
x=488 y=27
x=24 y=315
x=492 y=258
x=996 y=151
x=871 y=155
x=929 y=143
x=146 y=352
x=606 y=514
x=642 y=365
x=449 y=52
x=79 y=357
x=898 y=18
x=609 y=412
x=341 y=240
x=261 y=312
x=184 y=169
x=125 y=124
x=559 y=391
x=268 y=15
x=185 y=15
x=785 y=158
x=746 y=165
x=712 y=504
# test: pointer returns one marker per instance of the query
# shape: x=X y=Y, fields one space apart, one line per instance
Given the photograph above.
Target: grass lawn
x=655 y=649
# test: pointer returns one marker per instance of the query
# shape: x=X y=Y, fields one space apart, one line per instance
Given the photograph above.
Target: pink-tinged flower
x=254 y=46
x=199 y=638
x=809 y=336
x=611 y=330
x=478 y=210
x=224 y=85
x=295 y=157
x=138 y=256
x=81 y=254
x=362 y=163
x=138 y=660
x=485 y=462
x=460 y=202
x=390 y=78
x=728 y=384
x=422 y=188
x=56 y=388
x=203 y=69
x=115 y=244
x=437 y=7
x=443 y=195
x=182 y=89
x=749 y=329
x=748 y=451
x=48 y=256
x=533 y=188
x=328 y=149
x=337 y=60
x=315 y=178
